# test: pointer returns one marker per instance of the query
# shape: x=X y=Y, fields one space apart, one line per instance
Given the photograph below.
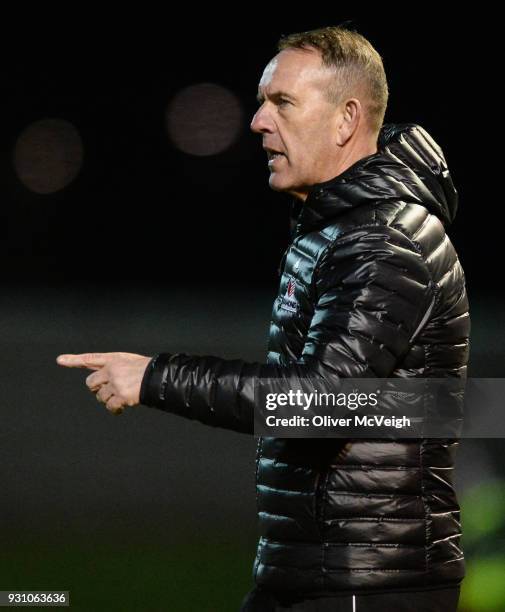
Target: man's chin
x=277 y=184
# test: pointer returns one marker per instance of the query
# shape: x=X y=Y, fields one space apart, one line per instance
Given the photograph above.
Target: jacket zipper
x=426 y=316
x=319 y=502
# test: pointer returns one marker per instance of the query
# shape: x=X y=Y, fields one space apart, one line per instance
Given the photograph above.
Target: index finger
x=92 y=361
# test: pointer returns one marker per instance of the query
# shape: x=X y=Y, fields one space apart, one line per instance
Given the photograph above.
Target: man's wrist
x=152 y=385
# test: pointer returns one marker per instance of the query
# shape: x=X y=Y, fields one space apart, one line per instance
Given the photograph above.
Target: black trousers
x=436 y=600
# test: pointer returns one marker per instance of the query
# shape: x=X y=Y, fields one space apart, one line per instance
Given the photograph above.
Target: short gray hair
x=358 y=66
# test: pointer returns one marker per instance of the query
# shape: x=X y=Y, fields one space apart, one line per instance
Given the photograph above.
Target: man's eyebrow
x=275 y=96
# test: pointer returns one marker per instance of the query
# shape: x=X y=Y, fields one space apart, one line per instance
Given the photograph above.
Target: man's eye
x=283 y=102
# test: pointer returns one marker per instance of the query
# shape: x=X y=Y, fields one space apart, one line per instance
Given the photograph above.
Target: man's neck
x=346 y=160
x=349 y=158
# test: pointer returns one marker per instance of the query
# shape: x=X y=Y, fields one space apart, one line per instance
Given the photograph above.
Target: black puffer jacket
x=378 y=292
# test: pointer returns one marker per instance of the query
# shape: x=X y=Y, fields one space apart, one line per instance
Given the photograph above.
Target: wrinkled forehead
x=293 y=69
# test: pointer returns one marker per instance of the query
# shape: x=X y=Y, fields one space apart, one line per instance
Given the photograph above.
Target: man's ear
x=348 y=120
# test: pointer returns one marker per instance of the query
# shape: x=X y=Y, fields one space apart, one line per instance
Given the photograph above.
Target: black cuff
x=151 y=386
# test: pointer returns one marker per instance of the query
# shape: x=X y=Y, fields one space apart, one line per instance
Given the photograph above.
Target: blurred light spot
x=204 y=119
x=48 y=155
x=484 y=588
x=484 y=500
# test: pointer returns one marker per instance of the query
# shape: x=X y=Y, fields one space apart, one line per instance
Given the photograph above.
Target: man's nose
x=261 y=122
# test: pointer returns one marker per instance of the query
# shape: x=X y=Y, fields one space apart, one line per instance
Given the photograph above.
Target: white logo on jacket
x=288 y=301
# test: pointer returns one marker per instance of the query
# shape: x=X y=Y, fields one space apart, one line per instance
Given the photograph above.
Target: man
x=375 y=290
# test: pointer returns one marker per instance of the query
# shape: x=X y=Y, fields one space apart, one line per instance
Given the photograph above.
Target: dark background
x=152 y=249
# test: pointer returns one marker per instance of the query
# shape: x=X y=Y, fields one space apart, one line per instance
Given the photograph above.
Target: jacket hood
x=408 y=165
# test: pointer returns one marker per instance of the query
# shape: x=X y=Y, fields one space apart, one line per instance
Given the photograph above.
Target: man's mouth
x=272 y=160
x=273 y=155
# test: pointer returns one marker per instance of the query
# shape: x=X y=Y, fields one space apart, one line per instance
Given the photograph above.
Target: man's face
x=298 y=123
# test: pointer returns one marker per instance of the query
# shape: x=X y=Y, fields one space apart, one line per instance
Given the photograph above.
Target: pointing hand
x=116 y=379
